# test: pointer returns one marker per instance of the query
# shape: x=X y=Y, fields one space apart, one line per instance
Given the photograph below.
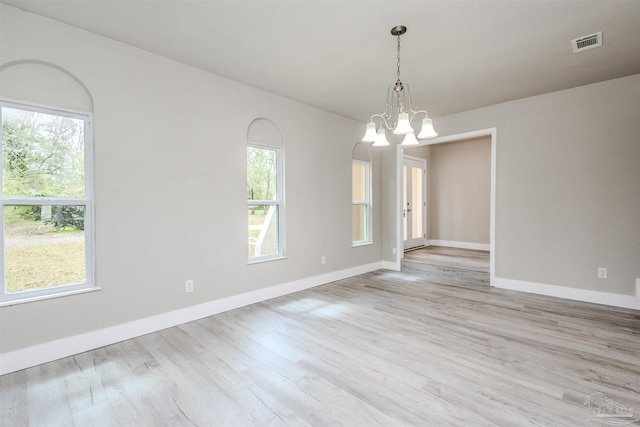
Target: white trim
x=45 y=108
x=638 y=288
x=416 y=158
x=399 y=198
x=32 y=296
x=585 y=295
x=461 y=245
x=53 y=350
x=460 y=136
x=361 y=243
x=414 y=242
x=492 y=209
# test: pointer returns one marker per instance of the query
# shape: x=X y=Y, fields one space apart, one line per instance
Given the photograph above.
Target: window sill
x=27 y=299
x=356 y=245
x=260 y=261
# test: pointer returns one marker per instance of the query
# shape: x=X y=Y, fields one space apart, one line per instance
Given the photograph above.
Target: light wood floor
x=447 y=265
x=450 y=257
x=384 y=348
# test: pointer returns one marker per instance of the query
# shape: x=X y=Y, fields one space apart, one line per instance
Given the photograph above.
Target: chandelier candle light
x=398 y=112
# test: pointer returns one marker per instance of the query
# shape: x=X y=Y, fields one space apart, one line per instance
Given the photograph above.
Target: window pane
x=43 y=246
x=261 y=174
x=263 y=230
x=42 y=154
x=359 y=182
x=359 y=220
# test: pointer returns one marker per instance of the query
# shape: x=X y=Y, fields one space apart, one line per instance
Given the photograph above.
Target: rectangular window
x=361 y=205
x=265 y=197
x=46 y=198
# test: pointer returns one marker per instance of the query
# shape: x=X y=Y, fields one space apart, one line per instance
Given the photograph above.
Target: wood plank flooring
x=379 y=349
x=452 y=257
x=447 y=265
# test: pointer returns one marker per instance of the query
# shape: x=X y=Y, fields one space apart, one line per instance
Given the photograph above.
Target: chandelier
x=399 y=112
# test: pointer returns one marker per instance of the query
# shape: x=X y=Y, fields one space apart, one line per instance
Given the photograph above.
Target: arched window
x=46 y=198
x=361 y=195
x=265 y=191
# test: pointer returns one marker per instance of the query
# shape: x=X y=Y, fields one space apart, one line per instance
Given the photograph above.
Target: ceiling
x=340 y=56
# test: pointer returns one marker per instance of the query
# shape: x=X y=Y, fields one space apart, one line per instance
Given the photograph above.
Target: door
x=414 y=204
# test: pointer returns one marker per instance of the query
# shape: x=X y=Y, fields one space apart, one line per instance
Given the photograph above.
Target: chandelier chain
x=398 y=82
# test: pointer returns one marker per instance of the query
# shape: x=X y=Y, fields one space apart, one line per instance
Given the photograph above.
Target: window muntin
x=46 y=197
x=264 y=199
x=361 y=202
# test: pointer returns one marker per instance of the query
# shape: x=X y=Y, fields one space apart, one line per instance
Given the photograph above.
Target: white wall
x=460 y=191
x=170 y=185
x=567 y=190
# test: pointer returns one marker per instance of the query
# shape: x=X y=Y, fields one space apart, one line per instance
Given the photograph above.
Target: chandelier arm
x=413 y=111
x=383 y=119
x=389 y=106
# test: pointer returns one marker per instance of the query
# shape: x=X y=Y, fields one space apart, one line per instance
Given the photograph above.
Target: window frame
x=87 y=201
x=278 y=202
x=367 y=203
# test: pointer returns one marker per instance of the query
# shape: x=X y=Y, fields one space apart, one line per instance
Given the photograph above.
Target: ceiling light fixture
x=398 y=112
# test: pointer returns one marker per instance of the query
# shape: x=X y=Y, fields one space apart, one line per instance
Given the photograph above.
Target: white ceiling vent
x=587 y=42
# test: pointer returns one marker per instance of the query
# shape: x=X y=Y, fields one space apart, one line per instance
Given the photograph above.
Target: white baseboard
x=606 y=298
x=53 y=350
x=461 y=245
x=390 y=265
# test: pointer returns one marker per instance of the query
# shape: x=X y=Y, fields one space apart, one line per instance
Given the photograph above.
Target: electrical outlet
x=393 y=251
x=602 y=273
x=323 y=260
x=188 y=287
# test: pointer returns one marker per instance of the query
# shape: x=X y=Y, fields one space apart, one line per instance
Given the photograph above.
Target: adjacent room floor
x=383 y=348
x=450 y=257
x=440 y=264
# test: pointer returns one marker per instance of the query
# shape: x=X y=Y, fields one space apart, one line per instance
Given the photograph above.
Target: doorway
x=414 y=205
x=401 y=194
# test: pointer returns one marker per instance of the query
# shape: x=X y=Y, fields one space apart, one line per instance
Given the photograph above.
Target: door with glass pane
x=414 y=205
